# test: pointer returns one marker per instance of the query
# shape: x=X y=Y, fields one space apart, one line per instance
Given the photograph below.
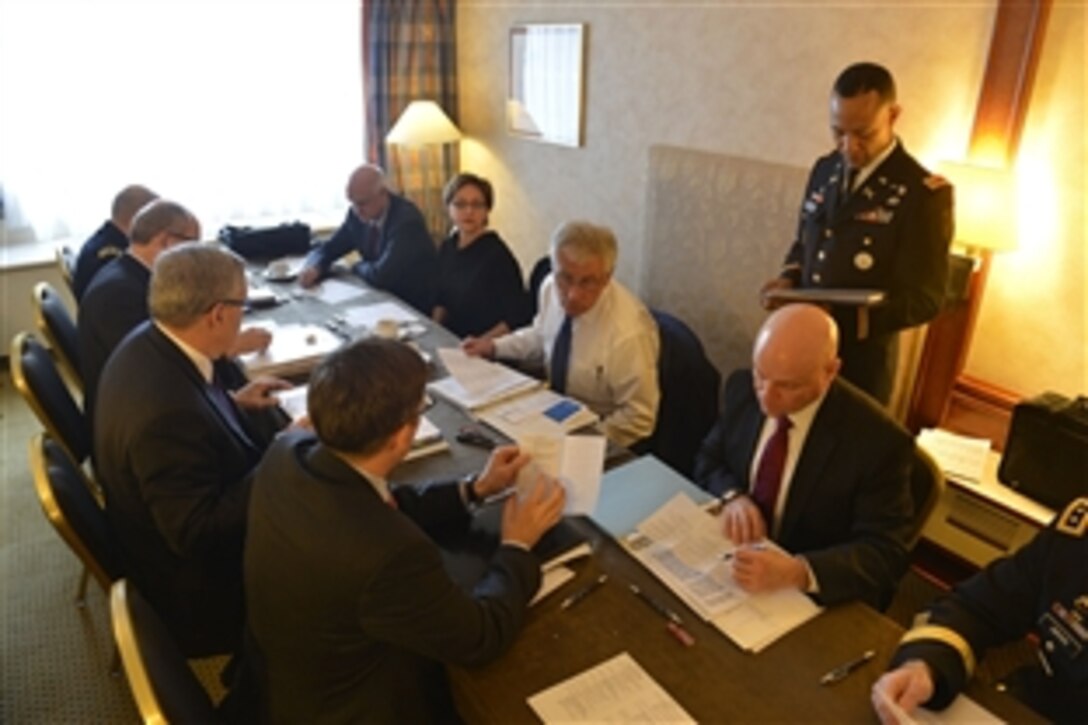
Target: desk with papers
x=611 y=641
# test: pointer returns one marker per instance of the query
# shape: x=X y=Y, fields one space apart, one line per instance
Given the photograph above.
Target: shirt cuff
x=515 y=544
x=813 y=583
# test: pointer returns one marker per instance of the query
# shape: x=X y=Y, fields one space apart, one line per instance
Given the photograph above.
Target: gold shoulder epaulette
x=1074 y=520
x=934 y=182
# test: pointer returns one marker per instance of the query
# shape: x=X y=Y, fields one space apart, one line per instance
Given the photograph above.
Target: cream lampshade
x=421 y=124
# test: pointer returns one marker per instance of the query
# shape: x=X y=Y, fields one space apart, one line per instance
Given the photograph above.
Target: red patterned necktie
x=769 y=471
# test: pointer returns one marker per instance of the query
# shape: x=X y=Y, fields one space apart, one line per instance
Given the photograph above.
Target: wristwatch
x=732 y=494
x=468 y=489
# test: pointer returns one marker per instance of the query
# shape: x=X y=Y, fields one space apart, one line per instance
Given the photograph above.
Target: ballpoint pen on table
x=674 y=624
x=840 y=672
x=583 y=592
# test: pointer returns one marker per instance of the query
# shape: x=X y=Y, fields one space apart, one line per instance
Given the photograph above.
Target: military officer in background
x=1042 y=588
x=872 y=218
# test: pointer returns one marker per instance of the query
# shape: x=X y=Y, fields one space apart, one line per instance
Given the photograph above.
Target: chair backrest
x=68 y=501
x=165 y=689
x=540 y=271
x=58 y=328
x=690 y=388
x=926 y=487
x=66 y=262
x=35 y=376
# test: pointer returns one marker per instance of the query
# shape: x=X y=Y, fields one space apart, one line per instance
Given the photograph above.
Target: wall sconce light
x=421 y=124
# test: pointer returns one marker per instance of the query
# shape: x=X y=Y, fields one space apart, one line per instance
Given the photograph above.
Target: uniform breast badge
x=863 y=261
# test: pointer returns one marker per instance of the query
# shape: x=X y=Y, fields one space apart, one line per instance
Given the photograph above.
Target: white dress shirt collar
x=202 y=362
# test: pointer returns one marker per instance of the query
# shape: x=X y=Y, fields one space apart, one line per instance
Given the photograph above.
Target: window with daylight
x=240 y=110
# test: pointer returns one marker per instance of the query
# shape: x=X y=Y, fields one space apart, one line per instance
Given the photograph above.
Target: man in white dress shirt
x=607 y=355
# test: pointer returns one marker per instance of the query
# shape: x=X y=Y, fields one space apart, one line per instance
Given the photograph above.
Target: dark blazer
x=480 y=286
x=1041 y=589
x=176 y=475
x=106 y=244
x=891 y=234
x=350 y=607
x=403 y=261
x=849 y=508
x=114 y=303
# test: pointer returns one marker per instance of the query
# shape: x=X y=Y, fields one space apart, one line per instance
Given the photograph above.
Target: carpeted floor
x=54 y=656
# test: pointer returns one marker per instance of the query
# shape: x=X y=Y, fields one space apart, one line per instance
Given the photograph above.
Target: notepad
x=294 y=350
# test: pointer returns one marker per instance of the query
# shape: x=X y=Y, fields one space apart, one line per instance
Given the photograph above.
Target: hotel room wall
x=752 y=81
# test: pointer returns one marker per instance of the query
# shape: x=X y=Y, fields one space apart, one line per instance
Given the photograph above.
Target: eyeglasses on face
x=229 y=301
x=460 y=205
x=588 y=282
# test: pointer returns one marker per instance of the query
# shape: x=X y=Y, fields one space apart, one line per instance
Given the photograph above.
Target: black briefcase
x=285 y=240
x=1046 y=453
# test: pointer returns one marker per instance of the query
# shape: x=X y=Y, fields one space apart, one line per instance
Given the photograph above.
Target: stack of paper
x=959 y=456
x=684 y=547
x=295 y=350
x=428 y=438
x=474 y=382
x=539 y=411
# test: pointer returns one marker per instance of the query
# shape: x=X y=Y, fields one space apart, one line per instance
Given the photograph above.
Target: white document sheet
x=962 y=711
x=685 y=548
x=474 y=382
x=960 y=456
x=334 y=292
x=550 y=580
x=538 y=411
x=615 y=691
x=577 y=461
x=295 y=349
x=368 y=315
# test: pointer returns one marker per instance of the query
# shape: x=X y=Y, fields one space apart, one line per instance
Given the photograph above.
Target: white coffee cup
x=389 y=329
x=279 y=268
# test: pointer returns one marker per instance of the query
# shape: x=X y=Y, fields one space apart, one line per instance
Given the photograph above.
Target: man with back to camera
x=350 y=607
x=872 y=218
x=1041 y=589
x=174 y=449
x=807 y=460
x=390 y=234
x=599 y=343
x=111 y=239
x=116 y=300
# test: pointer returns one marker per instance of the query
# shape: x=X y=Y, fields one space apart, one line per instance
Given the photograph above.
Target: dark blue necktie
x=561 y=357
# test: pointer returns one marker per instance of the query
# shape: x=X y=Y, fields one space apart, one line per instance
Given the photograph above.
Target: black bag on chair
x=267 y=242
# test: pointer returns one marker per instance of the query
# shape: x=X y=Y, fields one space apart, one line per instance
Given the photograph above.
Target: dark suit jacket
x=404 y=261
x=112 y=306
x=349 y=604
x=176 y=474
x=106 y=244
x=849 y=507
x=891 y=234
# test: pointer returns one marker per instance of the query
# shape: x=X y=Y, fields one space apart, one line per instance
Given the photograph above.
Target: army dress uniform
x=1042 y=589
x=892 y=234
x=105 y=245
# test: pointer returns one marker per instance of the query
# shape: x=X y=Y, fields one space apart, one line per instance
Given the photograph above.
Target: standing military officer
x=1042 y=588
x=872 y=218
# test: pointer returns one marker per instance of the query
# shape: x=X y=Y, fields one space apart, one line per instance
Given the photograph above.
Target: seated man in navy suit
x=116 y=300
x=174 y=449
x=351 y=609
x=389 y=233
x=804 y=458
x=112 y=238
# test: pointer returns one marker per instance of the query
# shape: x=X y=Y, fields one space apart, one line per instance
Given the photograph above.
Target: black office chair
x=69 y=502
x=539 y=273
x=164 y=687
x=56 y=325
x=926 y=487
x=35 y=376
x=690 y=388
x=66 y=262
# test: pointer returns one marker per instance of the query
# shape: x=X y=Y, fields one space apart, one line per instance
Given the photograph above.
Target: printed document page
x=474 y=382
x=960 y=456
x=615 y=691
x=963 y=710
x=539 y=411
x=294 y=349
x=333 y=292
x=577 y=461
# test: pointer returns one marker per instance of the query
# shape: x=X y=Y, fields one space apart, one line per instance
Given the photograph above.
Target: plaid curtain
x=410 y=53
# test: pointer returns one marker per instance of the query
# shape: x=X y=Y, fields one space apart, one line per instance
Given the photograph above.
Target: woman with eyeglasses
x=481 y=291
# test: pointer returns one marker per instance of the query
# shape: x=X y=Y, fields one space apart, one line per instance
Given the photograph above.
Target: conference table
x=713 y=680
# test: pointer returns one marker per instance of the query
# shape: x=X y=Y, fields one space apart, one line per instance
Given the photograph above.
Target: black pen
x=839 y=673
x=583 y=592
x=657 y=606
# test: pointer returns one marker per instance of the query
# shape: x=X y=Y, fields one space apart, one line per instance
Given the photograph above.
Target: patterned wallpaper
x=747 y=79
